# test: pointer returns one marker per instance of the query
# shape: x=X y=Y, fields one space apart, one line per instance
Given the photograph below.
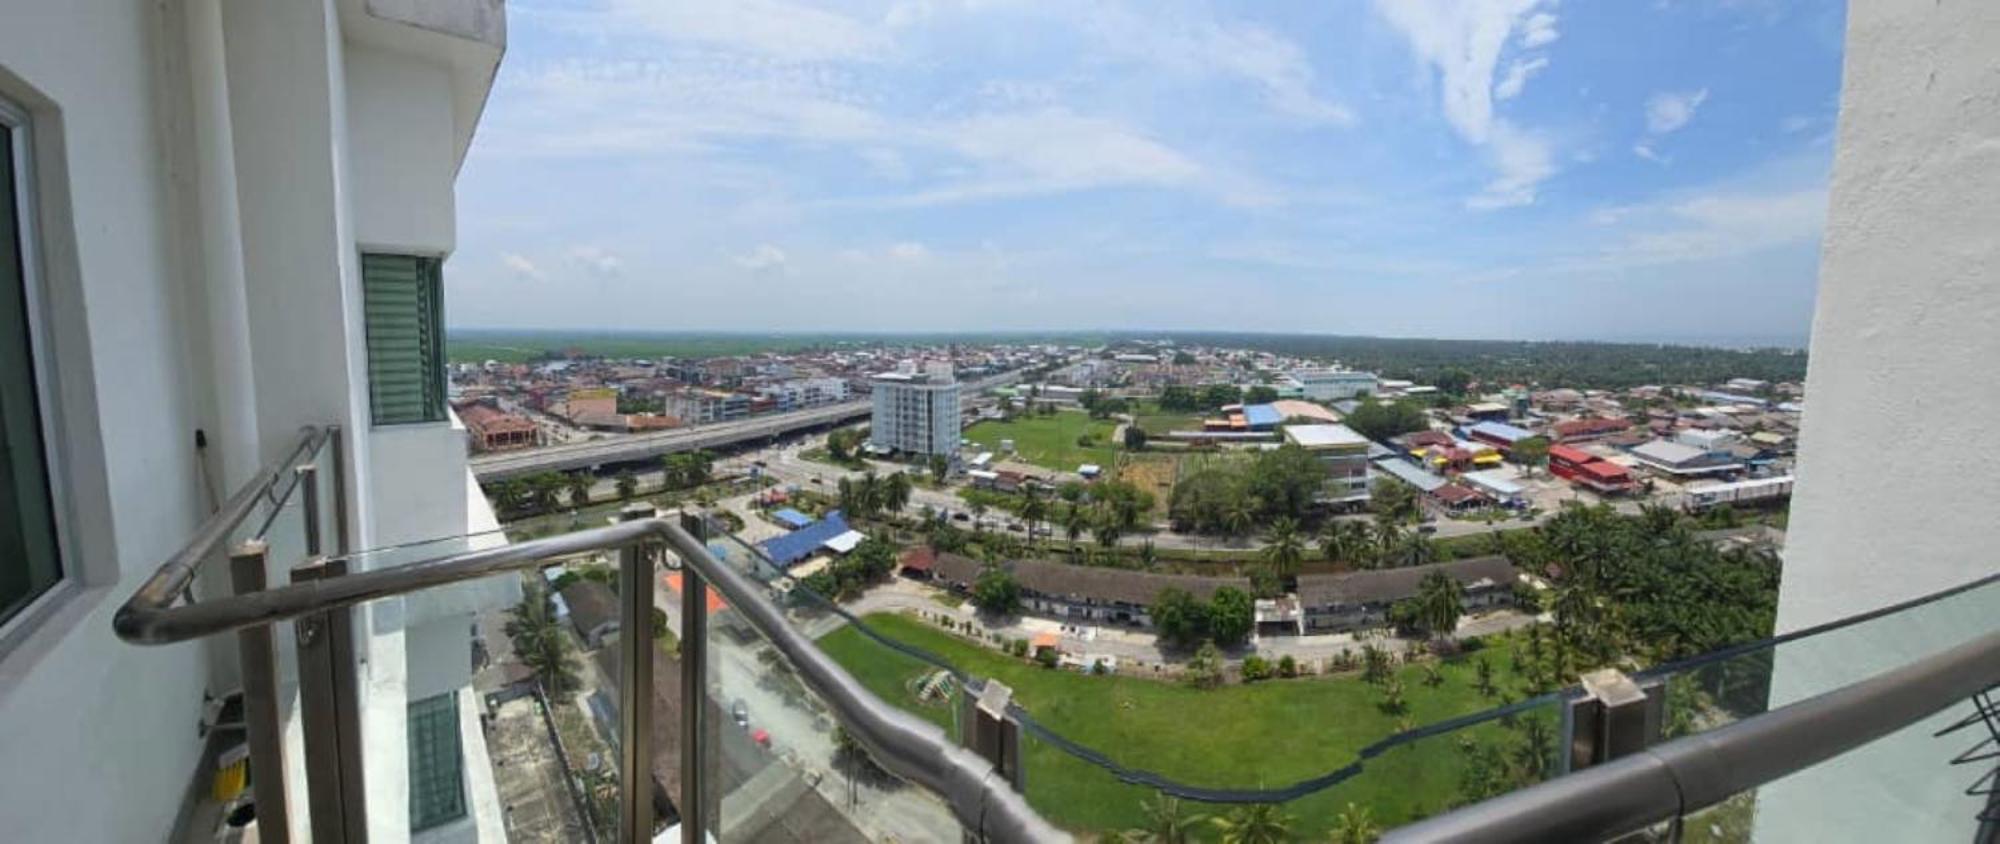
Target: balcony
x=796 y=736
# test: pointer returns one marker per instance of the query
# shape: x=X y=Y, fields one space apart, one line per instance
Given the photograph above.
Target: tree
x=1531 y=452
x=1034 y=508
x=1393 y=501
x=1217 y=395
x=578 y=484
x=544 y=490
x=540 y=643
x=940 y=467
x=1440 y=602
x=627 y=485
x=512 y=495
x=1415 y=549
x=1378 y=421
x=1257 y=823
x=1179 y=618
x=1374 y=664
x=1260 y=394
x=896 y=494
x=1284 y=550
x=1392 y=697
x=1166 y=822
x=1231 y=616
x=1075 y=521
x=1347 y=541
x=1452 y=382
x=996 y=591
x=1204 y=670
x=1483 y=677
x=1135 y=437
x=1355 y=825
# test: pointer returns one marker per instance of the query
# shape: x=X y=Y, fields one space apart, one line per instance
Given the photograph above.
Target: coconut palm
x=1285 y=550
x=896 y=493
x=577 y=485
x=627 y=485
x=1415 y=549
x=1034 y=508
x=1166 y=822
x=1075 y=520
x=1257 y=823
x=1344 y=540
x=545 y=490
x=1355 y=825
x=540 y=643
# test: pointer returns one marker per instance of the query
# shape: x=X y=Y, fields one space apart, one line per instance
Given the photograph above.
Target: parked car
x=740 y=711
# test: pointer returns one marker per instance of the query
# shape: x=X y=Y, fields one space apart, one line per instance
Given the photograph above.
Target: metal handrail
x=173 y=576
x=1670 y=780
x=905 y=745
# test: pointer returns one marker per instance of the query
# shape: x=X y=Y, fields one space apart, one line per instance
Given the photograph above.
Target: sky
x=1522 y=169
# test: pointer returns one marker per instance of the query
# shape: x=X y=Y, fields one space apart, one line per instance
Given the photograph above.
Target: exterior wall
x=1902 y=350
x=915 y=418
x=82 y=713
x=205 y=173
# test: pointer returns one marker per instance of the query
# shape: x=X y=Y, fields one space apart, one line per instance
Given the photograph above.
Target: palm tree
x=544 y=490
x=540 y=643
x=1075 y=521
x=577 y=484
x=1257 y=823
x=896 y=493
x=1285 y=550
x=1387 y=535
x=512 y=495
x=1344 y=540
x=868 y=493
x=1238 y=514
x=627 y=485
x=1166 y=823
x=1106 y=530
x=1415 y=549
x=1033 y=508
x=1355 y=825
x=1441 y=601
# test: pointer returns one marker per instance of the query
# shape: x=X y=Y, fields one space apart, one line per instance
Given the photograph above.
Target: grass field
x=1264 y=735
x=1156 y=422
x=1050 y=441
x=1151 y=472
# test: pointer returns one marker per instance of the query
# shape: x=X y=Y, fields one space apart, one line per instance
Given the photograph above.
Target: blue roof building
x=800 y=544
x=1498 y=433
x=792 y=518
x=1261 y=417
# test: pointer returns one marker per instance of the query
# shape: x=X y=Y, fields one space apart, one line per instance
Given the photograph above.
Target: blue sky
x=1452 y=168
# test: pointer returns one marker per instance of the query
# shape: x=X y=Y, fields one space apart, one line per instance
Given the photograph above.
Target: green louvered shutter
x=404 y=301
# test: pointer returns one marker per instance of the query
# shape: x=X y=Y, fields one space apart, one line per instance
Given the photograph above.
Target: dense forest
x=1565 y=363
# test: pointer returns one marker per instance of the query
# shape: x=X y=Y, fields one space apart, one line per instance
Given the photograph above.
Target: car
x=740 y=711
x=961 y=517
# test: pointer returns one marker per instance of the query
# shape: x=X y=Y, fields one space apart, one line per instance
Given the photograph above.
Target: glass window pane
x=436 y=795
x=29 y=564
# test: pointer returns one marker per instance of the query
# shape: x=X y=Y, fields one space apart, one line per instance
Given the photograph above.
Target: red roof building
x=1589 y=471
x=1588 y=428
x=494 y=430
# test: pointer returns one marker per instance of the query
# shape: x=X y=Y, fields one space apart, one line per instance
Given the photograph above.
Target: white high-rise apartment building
x=916 y=412
x=223 y=222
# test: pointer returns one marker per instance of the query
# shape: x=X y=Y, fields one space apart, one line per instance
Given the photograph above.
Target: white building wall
x=1903 y=350
x=200 y=207
x=82 y=713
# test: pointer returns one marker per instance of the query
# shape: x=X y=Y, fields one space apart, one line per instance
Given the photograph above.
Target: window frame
x=440 y=370
x=451 y=705
x=20 y=126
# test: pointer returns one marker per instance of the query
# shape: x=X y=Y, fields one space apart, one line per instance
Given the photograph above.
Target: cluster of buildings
x=584 y=396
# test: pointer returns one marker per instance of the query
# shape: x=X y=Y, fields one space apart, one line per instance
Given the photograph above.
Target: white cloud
x=1645 y=150
x=1238 y=50
x=521 y=266
x=771 y=29
x=1795 y=124
x=765 y=257
x=1539 y=30
x=1462 y=40
x=1708 y=226
x=597 y=260
x=909 y=251
x=1523 y=160
x=1518 y=73
x=1668 y=111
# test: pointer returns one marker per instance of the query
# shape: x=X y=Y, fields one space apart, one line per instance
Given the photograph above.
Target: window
x=29 y=562
x=436 y=796
x=403 y=297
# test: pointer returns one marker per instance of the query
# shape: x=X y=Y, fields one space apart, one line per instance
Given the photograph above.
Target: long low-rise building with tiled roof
x=1358 y=599
x=1093 y=593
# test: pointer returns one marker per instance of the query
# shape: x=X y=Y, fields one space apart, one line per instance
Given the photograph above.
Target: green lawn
x=1050 y=441
x=1264 y=735
x=1157 y=422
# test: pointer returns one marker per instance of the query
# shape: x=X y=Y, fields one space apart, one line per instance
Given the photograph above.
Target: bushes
x=1287 y=666
x=1256 y=668
x=1047 y=657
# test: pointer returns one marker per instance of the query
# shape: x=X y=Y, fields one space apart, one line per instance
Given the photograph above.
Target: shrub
x=1018 y=647
x=1098 y=668
x=1255 y=668
x=1046 y=656
x=1287 y=666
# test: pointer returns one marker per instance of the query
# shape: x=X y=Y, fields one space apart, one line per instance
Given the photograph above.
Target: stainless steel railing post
x=635 y=693
x=258 y=658
x=308 y=482
x=694 y=703
x=330 y=714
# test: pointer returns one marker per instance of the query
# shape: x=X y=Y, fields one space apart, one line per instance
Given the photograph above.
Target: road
x=640 y=447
